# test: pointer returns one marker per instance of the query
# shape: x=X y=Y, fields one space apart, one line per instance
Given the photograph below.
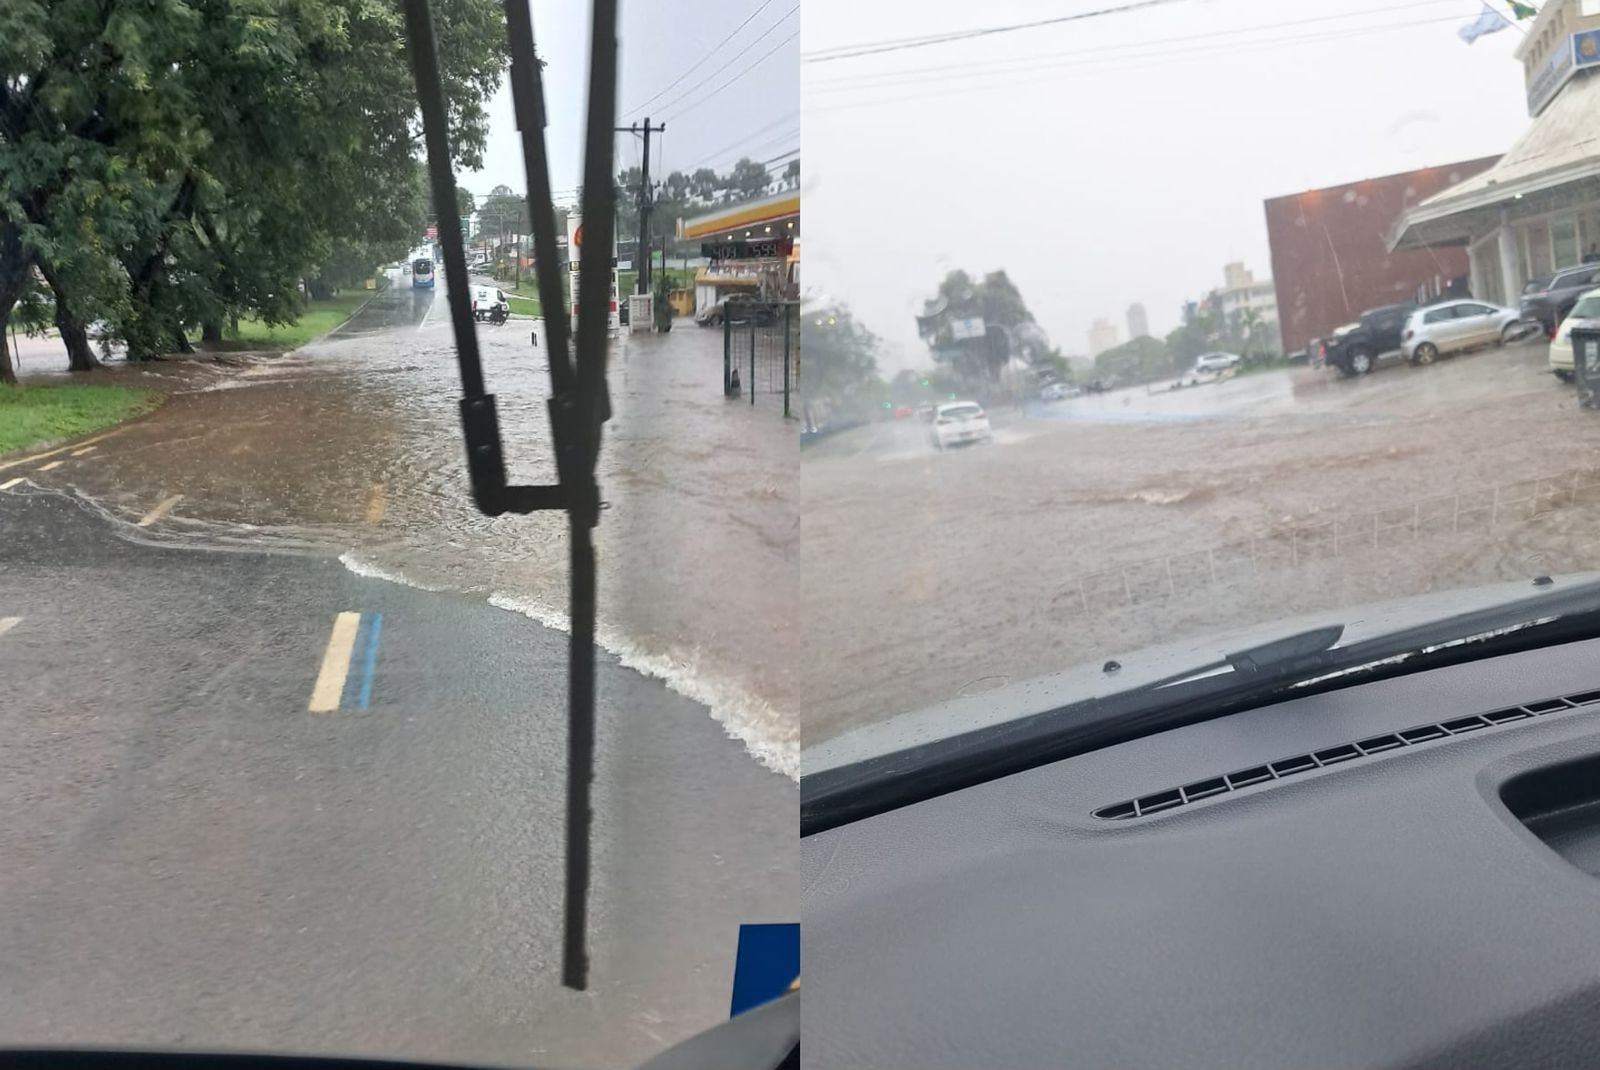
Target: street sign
x=761 y=249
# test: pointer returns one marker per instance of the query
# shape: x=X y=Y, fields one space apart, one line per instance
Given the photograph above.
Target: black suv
x=1548 y=298
x=1355 y=352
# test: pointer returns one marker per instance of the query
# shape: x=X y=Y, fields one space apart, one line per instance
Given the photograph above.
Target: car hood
x=1012 y=699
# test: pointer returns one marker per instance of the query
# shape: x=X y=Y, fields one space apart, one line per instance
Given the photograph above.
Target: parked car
x=1214 y=362
x=927 y=412
x=737 y=308
x=959 y=423
x=1453 y=326
x=1549 y=298
x=1376 y=335
x=1059 y=392
x=485 y=299
x=1585 y=313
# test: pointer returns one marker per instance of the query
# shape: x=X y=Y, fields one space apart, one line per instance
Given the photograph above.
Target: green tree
x=183 y=161
x=1138 y=360
x=791 y=173
x=748 y=178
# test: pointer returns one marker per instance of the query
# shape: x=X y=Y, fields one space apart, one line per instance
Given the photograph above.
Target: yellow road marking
x=335 y=664
x=52 y=464
x=59 y=449
x=86 y=449
x=8 y=623
x=376 y=504
x=8 y=484
x=163 y=507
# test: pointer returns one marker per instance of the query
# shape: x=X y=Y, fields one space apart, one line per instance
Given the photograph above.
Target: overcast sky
x=708 y=124
x=1129 y=164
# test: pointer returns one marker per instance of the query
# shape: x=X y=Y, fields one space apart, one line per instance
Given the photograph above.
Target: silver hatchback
x=1452 y=326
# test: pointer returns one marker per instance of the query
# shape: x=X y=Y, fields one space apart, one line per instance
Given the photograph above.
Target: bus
x=422 y=273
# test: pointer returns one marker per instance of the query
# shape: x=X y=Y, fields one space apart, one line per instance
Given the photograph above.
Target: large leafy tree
x=182 y=161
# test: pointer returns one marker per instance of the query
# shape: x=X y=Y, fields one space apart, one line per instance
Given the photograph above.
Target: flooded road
x=1099 y=525
x=353 y=445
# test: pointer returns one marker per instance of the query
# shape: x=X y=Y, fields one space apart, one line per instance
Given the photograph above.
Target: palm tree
x=1249 y=325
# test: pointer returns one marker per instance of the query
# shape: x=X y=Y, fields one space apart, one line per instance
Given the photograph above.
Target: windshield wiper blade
x=1290 y=665
x=579 y=401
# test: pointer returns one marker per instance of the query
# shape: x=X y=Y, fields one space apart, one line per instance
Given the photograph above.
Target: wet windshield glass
x=1121 y=196
x=284 y=724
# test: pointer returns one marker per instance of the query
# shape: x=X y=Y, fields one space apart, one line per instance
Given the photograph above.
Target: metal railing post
x=787 y=309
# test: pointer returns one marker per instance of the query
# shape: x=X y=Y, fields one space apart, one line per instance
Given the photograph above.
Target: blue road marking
x=369 y=659
x=363 y=659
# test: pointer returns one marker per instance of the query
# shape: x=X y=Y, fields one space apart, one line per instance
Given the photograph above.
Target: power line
x=757 y=40
x=1092 y=66
x=741 y=140
x=697 y=63
x=886 y=77
x=753 y=148
x=901 y=44
x=752 y=66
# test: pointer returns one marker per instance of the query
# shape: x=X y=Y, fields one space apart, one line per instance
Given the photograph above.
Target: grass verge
x=318 y=319
x=33 y=414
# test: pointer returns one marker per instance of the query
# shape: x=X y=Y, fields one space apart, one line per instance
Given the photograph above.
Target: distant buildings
x=1138 y=322
x=1102 y=336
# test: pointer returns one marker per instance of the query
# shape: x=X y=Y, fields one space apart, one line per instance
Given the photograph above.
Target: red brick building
x=1330 y=258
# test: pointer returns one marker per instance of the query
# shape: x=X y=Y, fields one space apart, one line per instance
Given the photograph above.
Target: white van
x=486 y=299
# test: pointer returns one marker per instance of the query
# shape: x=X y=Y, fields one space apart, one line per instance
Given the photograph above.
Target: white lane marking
x=325 y=693
x=8 y=484
x=8 y=623
x=163 y=507
x=427 y=312
x=52 y=464
x=86 y=449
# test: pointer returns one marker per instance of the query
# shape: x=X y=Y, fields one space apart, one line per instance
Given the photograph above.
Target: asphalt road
x=194 y=857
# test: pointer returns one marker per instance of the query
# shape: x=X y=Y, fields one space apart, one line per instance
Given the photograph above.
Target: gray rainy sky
x=1132 y=162
x=756 y=114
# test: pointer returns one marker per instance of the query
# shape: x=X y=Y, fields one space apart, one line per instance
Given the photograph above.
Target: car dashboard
x=1402 y=873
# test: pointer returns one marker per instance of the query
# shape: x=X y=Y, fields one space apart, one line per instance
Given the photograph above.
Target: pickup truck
x=1377 y=335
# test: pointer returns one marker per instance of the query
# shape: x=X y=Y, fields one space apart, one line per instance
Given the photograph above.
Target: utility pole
x=646 y=203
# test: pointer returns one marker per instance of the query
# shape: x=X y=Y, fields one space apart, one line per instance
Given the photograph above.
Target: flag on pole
x=1522 y=11
x=1488 y=21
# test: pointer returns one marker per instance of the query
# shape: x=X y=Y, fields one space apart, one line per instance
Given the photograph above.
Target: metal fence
x=1482 y=510
x=761 y=351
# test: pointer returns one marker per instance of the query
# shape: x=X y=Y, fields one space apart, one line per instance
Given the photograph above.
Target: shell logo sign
x=574 y=243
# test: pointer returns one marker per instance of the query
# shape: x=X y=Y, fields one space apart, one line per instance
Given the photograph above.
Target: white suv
x=959 y=423
x=1586 y=313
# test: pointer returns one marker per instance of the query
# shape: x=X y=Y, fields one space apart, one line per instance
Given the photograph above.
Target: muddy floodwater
x=353 y=445
x=1099 y=525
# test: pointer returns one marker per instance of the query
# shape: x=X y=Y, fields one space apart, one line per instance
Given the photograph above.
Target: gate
x=761 y=350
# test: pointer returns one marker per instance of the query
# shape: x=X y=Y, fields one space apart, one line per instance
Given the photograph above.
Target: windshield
x=287 y=732
x=1587 y=308
x=1163 y=508
x=960 y=412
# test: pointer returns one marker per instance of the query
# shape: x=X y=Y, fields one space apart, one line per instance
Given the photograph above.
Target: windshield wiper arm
x=579 y=402
x=1292 y=664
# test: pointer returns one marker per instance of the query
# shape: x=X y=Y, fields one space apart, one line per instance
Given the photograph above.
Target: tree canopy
x=180 y=162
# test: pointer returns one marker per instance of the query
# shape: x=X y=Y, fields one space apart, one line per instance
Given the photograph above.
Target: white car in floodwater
x=960 y=423
x=1214 y=362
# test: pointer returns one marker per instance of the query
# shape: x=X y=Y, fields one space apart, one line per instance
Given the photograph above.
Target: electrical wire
x=874 y=48
x=743 y=139
x=1022 y=62
x=1109 y=64
x=697 y=63
x=752 y=66
x=669 y=105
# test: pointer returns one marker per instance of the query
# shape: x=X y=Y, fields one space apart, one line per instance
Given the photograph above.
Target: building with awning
x=1537 y=209
x=767 y=218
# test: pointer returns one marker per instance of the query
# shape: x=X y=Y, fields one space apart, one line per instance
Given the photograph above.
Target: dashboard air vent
x=1171 y=798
